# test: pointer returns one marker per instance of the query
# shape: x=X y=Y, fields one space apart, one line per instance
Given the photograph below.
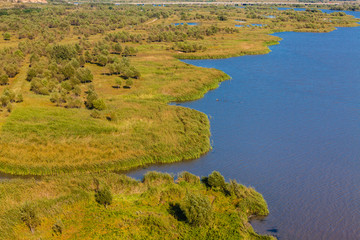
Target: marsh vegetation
x=115 y=206
x=86 y=88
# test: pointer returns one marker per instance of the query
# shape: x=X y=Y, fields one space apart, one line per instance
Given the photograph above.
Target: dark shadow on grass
x=176 y=212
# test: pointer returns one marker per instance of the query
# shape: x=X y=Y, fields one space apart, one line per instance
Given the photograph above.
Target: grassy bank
x=65 y=208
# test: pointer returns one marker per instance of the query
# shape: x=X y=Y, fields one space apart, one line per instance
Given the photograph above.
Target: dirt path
x=152 y=21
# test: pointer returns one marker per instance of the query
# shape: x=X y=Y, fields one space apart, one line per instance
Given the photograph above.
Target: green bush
x=31 y=74
x=188 y=177
x=222 y=17
x=29 y=216
x=129 y=82
x=84 y=75
x=6 y=36
x=4 y=100
x=92 y=99
x=235 y=189
x=9 y=107
x=118 y=82
x=19 y=98
x=4 y=79
x=157 y=177
x=74 y=102
x=103 y=196
x=99 y=104
x=68 y=71
x=197 y=209
x=216 y=180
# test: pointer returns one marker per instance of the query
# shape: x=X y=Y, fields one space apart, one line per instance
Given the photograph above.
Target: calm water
x=288 y=123
x=253 y=24
x=188 y=23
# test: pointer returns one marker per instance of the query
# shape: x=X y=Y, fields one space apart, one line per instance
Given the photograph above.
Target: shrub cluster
x=197 y=209
x=8 y=97
x=58 y=72
x=10 y=62
x=29 y=216
x=188 y=47
x=103 y=196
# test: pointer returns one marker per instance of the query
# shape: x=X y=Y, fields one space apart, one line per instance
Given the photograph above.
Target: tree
x=68 y=71
x=103 y=196
x=31 y=74
x=77 y=90
x=82 y=61
x=197 y=209
x=84 y=75
x=9 y=107
x=117 y=48
x=63 y=52
x=29 y=217
x=188 y=177
x=4 y=100
x=10 y=94
x=102 y=60
x=55 y=97
x=134 y=73
x=6 y=36
x=129 y=51
x=4 y=79
x=75 y=63
x=99 y=104
x=112 y=68
x=73 y=102
x=19 y=98
x=67 y=85
x=38 y=86
x=222 y=18
x=91 y=97
x=118 y=83
x=11 y=70
x=216 y=180
x=128 y=83
x=88 y=57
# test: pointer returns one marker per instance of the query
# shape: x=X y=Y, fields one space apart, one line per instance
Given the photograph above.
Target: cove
x=288 y=123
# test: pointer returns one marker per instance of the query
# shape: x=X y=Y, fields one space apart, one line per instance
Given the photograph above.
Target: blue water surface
x=188 y=23
x=288 y=123
x=296 y=9
x=249 y=25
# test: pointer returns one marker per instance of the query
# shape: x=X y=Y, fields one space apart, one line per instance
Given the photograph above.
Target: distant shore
x=219 y=3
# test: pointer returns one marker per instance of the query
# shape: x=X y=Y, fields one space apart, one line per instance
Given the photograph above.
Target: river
x=288 y=124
